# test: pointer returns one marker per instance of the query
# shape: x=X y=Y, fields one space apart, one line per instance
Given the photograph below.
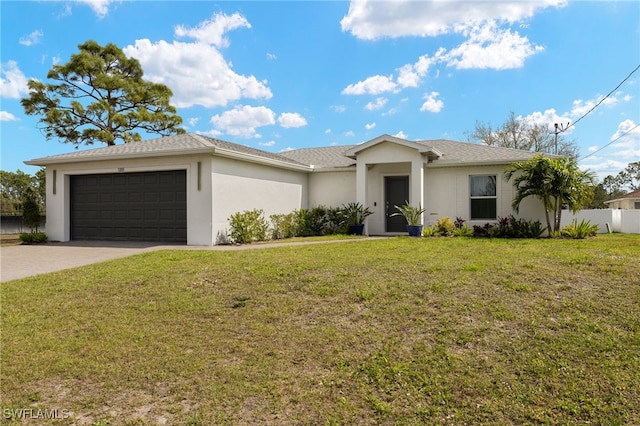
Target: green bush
x=463 y=231
x=511 y=227
x=444 y=226
x=580 y=230
x=248 y=226
x=282 y=226
x=429 y=231
x=33 y=237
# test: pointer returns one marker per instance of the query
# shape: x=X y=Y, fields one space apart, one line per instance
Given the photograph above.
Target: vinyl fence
x=608 y=220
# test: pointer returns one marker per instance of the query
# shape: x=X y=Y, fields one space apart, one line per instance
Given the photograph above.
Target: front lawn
x=393 y=331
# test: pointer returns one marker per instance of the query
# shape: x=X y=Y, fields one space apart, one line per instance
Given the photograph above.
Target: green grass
x=394 y=331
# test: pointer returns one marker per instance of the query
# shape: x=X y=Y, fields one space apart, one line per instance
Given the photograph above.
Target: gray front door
x=146 y=206
x=396 y=193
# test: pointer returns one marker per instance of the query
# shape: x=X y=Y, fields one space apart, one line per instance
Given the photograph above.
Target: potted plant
x=353 y=215
x=413 y=215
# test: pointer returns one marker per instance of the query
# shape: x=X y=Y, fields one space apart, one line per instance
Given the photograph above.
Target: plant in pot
x=353 y=215
x=413 y=215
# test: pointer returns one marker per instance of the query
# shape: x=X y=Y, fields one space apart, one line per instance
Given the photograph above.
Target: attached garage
x=142 y=206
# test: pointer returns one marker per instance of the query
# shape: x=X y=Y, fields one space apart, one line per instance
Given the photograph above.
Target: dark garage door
x=148 y=206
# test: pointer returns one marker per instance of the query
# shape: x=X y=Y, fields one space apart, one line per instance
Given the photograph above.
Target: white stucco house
x=629 y=201
x=184 y=188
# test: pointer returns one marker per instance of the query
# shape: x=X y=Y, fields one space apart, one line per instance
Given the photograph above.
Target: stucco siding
x=447 y=194
x=239 y=186
x=332 y=189
x=198 y=201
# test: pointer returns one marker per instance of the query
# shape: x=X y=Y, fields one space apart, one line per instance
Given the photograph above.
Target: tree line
x=18 y=187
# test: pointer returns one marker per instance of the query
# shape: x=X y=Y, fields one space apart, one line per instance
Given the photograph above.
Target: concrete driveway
x=27 y=260
x=23 y=261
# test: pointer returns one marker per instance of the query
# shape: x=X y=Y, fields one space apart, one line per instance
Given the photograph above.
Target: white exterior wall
x=238 y=186
x=379 y=161
x=58 y=227
x=447 y=194
x=332 y=189
x=624 y=203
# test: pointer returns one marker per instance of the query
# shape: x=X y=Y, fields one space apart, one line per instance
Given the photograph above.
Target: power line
x=616 y=139
x=602 y=100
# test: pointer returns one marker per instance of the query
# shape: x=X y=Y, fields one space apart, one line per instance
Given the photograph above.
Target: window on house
x=637 y=204
x=483 y=197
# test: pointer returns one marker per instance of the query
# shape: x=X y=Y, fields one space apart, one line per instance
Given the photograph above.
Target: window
x=483 y=197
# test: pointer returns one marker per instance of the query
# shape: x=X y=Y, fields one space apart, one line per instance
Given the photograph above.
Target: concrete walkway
x=23 y=261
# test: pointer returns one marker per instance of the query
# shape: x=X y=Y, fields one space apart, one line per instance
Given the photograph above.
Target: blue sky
x=286 y=75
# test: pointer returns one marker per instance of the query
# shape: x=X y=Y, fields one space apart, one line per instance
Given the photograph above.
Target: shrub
x=30 y=211
x=429 y=231
x=444 y=226
x=482 y=230
x=248 y=226
x=510 y=227
x=580 y=230
x=33 y=237
x=463 y=231
x=459 y=223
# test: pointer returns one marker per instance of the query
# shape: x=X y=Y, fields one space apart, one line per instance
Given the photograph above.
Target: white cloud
x=7 y=116
x=378 y=104
x=271 y=56
x=242 y=121
x=212 y=32
x=350 y=133
x=370 y=126
x=372 y=85
x=581 y=107
x=326 y=132
x=549 y=117
x=291 y=119
x=400 y=135
x=489 y=47
x=100 y=7
x=13 y=83
x=371 y=19
x=31 y=39
x=432 y=104
x=627 y=146
x=267 y=144
x=193 y=121
x=197 y=72
x=339 y=108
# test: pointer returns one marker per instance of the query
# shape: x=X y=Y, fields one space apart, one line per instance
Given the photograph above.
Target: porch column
x=417 y=184
x=361 y=188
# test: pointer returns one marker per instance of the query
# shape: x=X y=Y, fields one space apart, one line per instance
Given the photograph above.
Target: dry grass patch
x=395 y=331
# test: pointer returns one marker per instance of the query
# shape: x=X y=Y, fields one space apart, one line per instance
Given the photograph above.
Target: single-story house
x=184 y=188
x=630 y=201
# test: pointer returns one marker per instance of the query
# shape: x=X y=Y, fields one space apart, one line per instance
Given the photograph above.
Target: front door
x=396 y=193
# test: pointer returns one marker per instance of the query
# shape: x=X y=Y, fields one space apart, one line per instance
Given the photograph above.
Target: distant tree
x=30 y=210
x=558 y=182
x=14 y=187
x=629 y=177
x=522 y=134
x=101 y=97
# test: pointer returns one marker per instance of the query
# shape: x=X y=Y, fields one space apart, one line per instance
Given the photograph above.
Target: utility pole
x=559 y=129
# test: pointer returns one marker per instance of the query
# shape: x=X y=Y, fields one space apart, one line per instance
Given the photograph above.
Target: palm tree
x=558 y=182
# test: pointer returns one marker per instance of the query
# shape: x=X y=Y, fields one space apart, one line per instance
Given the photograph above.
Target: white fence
x=608 y=220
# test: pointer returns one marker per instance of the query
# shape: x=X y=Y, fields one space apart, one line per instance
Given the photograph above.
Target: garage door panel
x=148 y=206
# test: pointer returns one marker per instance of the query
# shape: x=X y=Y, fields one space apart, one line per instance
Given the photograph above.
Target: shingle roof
x=188 y=143
x=328 y=156
x=628 y=196
x=453 y=153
